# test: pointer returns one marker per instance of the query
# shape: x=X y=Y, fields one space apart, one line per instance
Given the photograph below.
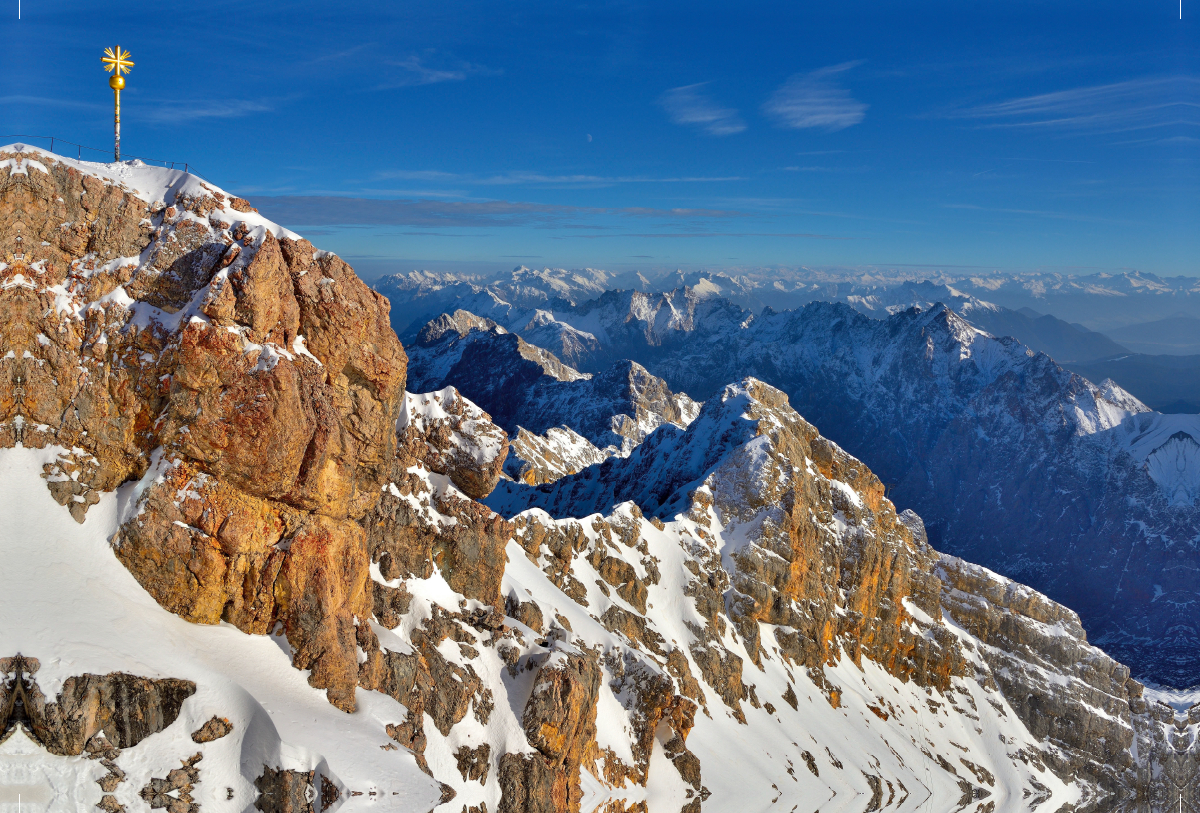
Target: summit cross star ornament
x=116 y=62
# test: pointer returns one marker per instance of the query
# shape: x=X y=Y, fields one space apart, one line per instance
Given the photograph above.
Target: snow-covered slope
x=560 y=451
x=743 y=483
x=1013 y=461
x=163 y=344
x=69 y=603
x=524 y=386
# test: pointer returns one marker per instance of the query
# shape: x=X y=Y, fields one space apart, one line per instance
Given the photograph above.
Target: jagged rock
x=995 y=445
x=425 y=681
x=559 y=718
x=416 y=527
x=527 y=612
x=219 y=554
x=124 y=708
x=529 y=783
x=330 y=794
x=284 y=791
x=459 y=323
x=267 y=376
x=174 y=792
x=792 y=553
x=634 y=627
x=1029 y=637
x=474 y=763
x=109 y=804
x=523 y=386
x=723 y=671
x=544 y=458
x=115 y=776
x=214 y=729
x=451 y=436
x=390 y=603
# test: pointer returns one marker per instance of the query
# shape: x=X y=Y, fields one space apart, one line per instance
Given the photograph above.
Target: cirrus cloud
x=417 y=70
x=332 y=210
x=816 y=101
x=1133 y=104
x=690 y=105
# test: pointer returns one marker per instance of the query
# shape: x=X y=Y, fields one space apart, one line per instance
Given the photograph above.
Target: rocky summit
x=248 y=565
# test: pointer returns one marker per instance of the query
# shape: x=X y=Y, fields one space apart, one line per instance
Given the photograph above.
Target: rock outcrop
x=118 y=709
x=523 y=386
x=877 y=594
x=544 y=458
x=250 y=382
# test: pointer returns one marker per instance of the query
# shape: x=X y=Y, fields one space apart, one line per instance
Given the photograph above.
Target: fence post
x=51 y=145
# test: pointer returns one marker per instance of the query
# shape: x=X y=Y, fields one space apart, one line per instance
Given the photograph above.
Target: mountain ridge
x=902 y=394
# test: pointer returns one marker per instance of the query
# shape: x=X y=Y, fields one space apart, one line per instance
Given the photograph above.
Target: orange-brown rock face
x=560 y=721
x=168 y=334
x=824 y=598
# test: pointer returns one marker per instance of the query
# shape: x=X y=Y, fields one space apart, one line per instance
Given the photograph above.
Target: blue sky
x=1012 y=135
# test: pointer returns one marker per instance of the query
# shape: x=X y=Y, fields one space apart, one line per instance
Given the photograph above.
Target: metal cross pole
x=116 y=62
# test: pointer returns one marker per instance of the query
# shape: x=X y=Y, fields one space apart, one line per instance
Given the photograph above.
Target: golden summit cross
x=116 y=62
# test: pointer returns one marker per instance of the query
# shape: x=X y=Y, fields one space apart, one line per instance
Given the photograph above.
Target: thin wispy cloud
x=179 y=112
x=544 y=179
x=1177 y=140
x=315 y=210
x=816 y=101
x=1048 y=215
x=678 y=235
x=823 y=169
x=322 y=57
x=423 y=70
x=402 y=193
x=421 y=175
x=691 y=106
x=50 y=101
x=156 y=111
x=1049 y=160
x=1135 y=104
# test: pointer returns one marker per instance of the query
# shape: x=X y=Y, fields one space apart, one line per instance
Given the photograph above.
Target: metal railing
x=79 y=148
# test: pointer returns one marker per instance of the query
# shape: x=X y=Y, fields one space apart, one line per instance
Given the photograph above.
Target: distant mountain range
x=1102 y=301
x=1165 y=384
x=1164 y=379
x=1044 y=333
x=1078 y=489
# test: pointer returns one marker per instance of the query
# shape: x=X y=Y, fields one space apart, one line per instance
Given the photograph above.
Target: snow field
x=71 y=604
